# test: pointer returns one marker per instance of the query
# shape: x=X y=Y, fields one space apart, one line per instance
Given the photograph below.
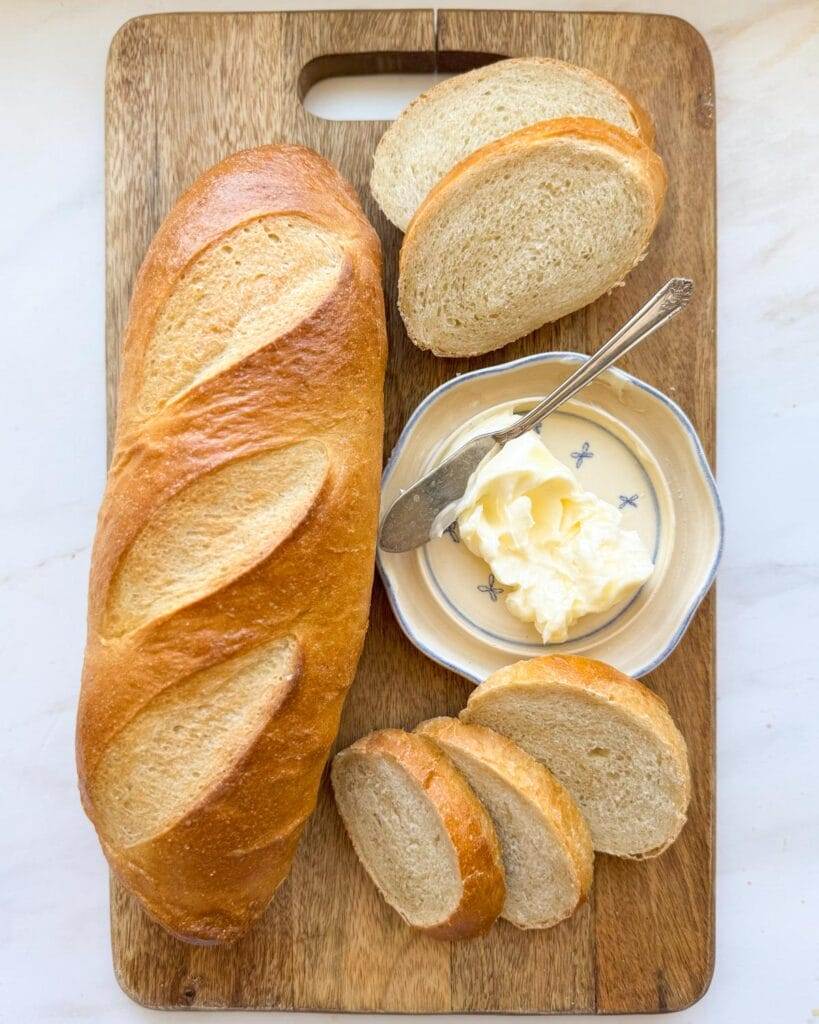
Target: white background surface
x=55 y=961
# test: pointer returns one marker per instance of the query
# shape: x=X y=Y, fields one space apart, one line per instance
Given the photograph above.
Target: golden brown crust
x=602 y=683
x=465 y=821
x=531 y=779
x=210 y=875
x=589 y=676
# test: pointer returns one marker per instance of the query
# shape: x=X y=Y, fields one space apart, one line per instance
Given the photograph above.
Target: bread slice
x=526 y=230
x=607 y=738
x=453 y=119
x=547 y=850
x=421 y=833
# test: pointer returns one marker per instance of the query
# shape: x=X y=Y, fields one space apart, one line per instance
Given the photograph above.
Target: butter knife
x=410 y=519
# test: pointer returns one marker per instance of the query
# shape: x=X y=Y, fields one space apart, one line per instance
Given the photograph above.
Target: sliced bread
x=607 y=738
x=453 y=119
x=526 y=230
x=421 y=833
x=547 y=851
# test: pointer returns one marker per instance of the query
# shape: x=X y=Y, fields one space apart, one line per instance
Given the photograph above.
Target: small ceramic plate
x=627 y=443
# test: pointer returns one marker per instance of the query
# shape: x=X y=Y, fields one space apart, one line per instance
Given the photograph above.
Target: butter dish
x=627 y=443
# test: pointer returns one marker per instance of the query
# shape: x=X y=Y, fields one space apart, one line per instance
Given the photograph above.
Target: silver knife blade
x=410 y=519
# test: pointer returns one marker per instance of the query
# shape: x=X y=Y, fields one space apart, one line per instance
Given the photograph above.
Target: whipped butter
x=558 y=550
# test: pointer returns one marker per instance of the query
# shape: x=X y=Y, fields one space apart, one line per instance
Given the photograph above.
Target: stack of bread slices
x=526 y=189
x=497 y=813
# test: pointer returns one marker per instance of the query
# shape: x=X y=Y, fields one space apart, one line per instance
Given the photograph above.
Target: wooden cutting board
x=183 y=91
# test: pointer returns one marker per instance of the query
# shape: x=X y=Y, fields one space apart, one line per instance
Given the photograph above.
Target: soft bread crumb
x=606 y=737
x=547 y=851
x=421 y=833
x=525 y=231
x=458 y=116
x=399 y=837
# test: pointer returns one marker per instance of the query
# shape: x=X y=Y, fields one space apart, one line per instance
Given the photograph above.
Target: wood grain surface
x=183 y=91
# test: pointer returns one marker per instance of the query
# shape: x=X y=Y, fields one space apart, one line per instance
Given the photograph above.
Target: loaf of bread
x=423 y=836
x=232 y=566
x=608 y=739
x=454 y=118
x=526 y=230
x=545 y=843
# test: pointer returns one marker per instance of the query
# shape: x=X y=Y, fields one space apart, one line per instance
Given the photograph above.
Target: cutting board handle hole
x=377 y=86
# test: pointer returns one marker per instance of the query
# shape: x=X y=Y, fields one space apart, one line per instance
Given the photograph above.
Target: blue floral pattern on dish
x=490 y=589
x=628 y=500
x=584 y=453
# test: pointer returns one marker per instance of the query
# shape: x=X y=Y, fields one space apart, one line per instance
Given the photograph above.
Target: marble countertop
x=56 y=964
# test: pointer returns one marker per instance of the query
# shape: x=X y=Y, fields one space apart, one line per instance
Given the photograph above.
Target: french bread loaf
x=420 y=832
x=454 y=118
x=526 y=230
x=545 y=843
x=232 y=565
x=607 y=738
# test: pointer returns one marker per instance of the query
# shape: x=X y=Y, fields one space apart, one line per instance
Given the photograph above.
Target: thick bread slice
x=421 y=833
x=526 y=230
x=607 y=738
x=546 y=847
x=453 y=119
